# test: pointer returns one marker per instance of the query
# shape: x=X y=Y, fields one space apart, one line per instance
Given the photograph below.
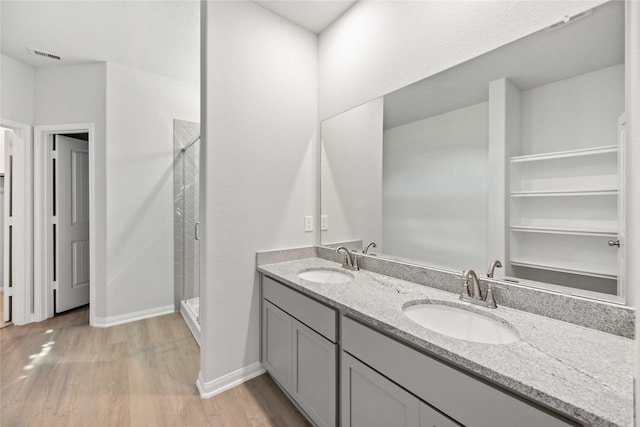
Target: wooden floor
x=62 y=372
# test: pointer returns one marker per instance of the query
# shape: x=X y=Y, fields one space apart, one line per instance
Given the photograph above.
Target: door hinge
x=54 y=220
x=54 y=285
x=8 y=290
x=54 y=154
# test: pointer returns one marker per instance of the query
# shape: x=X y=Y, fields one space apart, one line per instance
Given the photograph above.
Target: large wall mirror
x=515 y=155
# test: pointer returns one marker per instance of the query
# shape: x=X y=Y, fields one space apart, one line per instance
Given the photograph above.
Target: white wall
x=139 y=162
x=261 y=124
x=352 y=196
x=550 y=121
x=17 y=92
x=431 y=211
x=380 y=46
x=632 y=78
x=77 y=94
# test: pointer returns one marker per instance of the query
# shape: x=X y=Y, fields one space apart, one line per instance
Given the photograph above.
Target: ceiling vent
x=569 y=20
x=44 y=54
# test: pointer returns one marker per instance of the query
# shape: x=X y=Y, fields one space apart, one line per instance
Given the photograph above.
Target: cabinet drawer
x=462 y=397
x=315 y=315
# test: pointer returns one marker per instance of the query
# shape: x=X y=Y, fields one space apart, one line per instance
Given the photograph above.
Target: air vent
x=44 y=54
x=569 y=20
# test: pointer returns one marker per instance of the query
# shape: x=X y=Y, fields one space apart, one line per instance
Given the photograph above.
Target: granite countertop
x=580 y=372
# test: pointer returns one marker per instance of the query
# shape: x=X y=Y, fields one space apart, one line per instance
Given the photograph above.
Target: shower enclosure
x=186 y=223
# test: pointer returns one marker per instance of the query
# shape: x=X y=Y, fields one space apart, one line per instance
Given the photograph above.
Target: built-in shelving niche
x=564 y=190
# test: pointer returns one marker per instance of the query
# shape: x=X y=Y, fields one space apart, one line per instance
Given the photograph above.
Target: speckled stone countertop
x=583 y=373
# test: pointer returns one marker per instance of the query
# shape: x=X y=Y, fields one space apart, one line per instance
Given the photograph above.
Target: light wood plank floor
x=62 y=372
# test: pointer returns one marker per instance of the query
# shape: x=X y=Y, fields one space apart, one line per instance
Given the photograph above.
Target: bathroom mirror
x=514 y=155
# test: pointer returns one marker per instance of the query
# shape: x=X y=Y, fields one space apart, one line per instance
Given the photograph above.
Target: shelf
x=564 y=154
x=567 y=231
x=567 y=268
x=559 y=193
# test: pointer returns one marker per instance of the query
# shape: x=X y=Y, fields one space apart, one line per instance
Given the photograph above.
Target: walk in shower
x=186 y=222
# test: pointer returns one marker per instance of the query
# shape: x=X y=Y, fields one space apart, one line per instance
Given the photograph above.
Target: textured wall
x=260 y=120
x=380 y=46
x=141 y=108
x=17 y=91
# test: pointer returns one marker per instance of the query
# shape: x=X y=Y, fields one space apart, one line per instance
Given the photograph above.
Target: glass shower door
x=191 y=178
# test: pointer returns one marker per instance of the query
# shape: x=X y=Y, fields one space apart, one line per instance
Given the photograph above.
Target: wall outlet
x=324 y=222
x=308 y=223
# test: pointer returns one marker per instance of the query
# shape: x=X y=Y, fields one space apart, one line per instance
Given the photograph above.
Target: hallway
x=63 y=372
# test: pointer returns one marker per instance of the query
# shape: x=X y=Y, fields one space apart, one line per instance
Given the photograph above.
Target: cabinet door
x=370 y=400
x=277 y=349
x=314 y=374
x=429 y=417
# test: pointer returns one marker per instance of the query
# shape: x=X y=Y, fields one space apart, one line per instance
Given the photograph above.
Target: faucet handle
x=465 y=289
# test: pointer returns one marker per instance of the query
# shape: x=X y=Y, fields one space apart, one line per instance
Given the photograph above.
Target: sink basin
x=326 y=275
x=460 y=323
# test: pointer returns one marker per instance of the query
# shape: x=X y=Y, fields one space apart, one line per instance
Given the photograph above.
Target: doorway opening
x=7 y=139
x=16 y=235
x=63 y=222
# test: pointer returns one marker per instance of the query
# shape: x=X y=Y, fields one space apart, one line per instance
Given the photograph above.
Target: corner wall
x=17 y=91
x=140 y=111
x=260 y=121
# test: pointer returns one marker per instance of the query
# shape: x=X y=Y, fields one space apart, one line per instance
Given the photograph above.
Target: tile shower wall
x=185 y=192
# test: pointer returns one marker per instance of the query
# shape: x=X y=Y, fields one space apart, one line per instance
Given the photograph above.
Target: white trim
x=22 y=221
x=43 y=301
x=230 y=380
x=105 y=322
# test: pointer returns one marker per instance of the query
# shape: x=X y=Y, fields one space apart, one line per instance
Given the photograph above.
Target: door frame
x=22 y=289
x=43 y=248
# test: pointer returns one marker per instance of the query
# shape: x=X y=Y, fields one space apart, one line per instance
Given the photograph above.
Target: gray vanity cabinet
x=314 y=374
x=368 y=399
x=465 y=399
x=299 y=349
x=277 y=345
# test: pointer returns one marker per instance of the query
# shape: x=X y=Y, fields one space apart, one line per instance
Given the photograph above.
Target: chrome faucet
x=350 y=262
x=494 y=264
x=370 y=245
x=473 y=294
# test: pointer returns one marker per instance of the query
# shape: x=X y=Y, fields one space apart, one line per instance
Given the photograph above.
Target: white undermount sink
x=460 y=323
x=326 y=275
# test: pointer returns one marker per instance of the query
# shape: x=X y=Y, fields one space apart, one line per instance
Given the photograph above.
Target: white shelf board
x=562 y=230
x=564 y=154
x=558 y=193
x=572 y=268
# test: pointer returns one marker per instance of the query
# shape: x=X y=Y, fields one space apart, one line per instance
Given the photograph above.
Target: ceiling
x=314 y=15
x=588 y=44
x=160 y=37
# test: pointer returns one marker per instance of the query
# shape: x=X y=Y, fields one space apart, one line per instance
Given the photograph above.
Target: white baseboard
x=105 y=322
x=211 y=388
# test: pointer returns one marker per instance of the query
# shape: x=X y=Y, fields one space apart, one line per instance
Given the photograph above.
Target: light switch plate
x=308 y=223
x=324 y=222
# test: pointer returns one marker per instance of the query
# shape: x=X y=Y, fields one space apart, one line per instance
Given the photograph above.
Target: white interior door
x=71 y=211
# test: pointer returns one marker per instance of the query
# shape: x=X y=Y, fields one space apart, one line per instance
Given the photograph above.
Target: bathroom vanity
x=347 y=354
